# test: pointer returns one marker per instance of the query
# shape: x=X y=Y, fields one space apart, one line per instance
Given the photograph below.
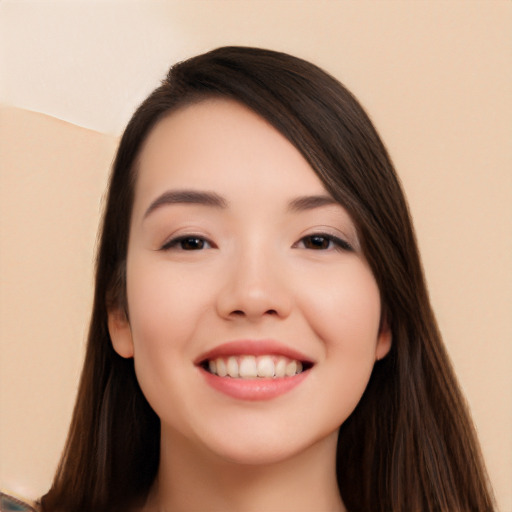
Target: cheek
x=345 y=315
x=348 y=325
x=165 y=309
x=164 y=305
x=344 y=308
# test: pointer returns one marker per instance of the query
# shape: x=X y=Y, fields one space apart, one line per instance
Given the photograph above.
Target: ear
x=384 y=340
x=120 y=333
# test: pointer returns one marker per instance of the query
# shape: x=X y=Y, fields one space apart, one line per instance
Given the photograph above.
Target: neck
x=190 y=479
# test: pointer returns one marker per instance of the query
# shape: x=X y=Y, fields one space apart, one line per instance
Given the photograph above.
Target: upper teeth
x=250 y=367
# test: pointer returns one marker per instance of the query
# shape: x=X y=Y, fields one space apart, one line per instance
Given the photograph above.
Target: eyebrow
x=186 y=197
x=305 y=203
x=212 y=199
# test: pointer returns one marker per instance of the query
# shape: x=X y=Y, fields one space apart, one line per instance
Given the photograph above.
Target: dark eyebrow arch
x=301 y=204
x=186 y=197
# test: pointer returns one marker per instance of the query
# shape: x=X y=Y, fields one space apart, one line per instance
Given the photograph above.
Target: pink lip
x=252 y=347
x=253 y=389
x=258 y=388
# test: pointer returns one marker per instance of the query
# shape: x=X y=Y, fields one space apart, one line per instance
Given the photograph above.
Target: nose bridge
x=255 y=284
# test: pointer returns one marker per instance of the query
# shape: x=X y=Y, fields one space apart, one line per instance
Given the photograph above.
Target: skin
x=249 y=270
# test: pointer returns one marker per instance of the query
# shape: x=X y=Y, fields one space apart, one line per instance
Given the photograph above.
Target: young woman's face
x=241 y=269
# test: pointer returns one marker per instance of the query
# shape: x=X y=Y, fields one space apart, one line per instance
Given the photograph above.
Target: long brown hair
x=410 y=444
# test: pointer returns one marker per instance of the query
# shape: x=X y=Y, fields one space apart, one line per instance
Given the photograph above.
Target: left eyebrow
x=305 y=203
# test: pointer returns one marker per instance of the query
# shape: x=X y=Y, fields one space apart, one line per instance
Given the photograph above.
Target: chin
x=261 y=456
x=265 y=450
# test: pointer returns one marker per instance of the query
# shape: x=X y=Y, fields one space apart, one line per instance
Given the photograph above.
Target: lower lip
x=253 y=389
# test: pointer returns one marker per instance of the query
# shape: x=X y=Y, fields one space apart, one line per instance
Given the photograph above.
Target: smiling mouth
x=255 y=367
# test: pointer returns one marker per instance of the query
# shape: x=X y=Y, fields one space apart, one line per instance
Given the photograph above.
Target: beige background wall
x=436 y=78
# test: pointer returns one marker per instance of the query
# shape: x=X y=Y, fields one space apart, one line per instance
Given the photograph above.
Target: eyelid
x=340 y=243
x=174 y=241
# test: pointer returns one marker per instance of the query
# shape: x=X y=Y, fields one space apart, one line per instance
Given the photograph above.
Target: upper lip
x=252 y=347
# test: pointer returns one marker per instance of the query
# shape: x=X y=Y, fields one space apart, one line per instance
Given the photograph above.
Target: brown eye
x=317 y=242
x=192 y=244
x=323 y=242
x=187 y=243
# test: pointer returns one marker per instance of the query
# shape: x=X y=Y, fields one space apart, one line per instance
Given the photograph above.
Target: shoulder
x=13 y=503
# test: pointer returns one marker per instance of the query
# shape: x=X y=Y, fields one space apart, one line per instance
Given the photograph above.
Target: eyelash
x=333 y=242
x=176 y=242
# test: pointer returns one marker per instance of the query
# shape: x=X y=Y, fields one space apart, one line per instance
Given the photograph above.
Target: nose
x=254 y=288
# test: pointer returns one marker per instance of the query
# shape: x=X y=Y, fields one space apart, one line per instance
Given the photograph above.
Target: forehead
x=218 y=142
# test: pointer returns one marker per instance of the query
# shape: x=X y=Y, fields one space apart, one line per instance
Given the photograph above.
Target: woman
x=261 y=337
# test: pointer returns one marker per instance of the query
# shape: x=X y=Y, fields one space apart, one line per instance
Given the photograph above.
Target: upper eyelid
x=337 y=238
x=333 y=232
x=176 y=239
x=340 y=241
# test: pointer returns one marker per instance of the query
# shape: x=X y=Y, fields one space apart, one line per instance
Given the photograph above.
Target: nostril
x=240 y=313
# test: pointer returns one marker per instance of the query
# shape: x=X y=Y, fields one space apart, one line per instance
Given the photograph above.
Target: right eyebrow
x=186 y=197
